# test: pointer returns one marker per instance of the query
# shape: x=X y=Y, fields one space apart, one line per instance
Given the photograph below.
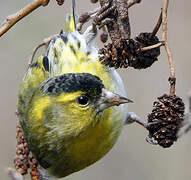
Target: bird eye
x=83 y=100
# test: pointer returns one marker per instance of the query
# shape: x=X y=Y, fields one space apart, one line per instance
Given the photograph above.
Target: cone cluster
x=34 y=168
x=24 y=158
x=166 y=119
x=22 y=152
x=128 y=54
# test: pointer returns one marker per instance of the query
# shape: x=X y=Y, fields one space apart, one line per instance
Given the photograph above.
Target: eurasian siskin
x=69 y=104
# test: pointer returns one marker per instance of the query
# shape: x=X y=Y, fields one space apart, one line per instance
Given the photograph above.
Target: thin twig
x=168 y=51
x=131 y=3
x=14 y=18
x=44 y=43
x=34 y=52
x=118 y=28
x=159 y=22
x=151 y=47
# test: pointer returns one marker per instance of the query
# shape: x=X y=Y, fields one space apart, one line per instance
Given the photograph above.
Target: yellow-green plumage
x=64 y=136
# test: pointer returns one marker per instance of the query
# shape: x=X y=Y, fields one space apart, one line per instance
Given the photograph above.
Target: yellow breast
x=98 y=140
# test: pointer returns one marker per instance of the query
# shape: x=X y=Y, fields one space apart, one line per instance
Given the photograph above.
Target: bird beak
x=109 y=99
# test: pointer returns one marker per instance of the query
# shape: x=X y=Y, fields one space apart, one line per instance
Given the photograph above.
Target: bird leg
x=132 y=117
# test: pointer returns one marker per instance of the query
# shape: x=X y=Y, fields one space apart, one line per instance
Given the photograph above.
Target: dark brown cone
x=127 y=53
x=118 y=57
x=146 y=58
x=22 y=151
x=167 y=117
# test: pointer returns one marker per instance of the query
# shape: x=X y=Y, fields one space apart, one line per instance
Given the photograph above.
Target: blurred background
x=132 y=158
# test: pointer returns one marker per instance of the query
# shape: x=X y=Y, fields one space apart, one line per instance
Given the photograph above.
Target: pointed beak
x=109 y=99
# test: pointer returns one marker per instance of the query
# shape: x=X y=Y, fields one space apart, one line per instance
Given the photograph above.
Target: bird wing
x=35 y=75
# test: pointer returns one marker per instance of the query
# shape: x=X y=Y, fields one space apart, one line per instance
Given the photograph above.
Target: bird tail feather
x=70 y=25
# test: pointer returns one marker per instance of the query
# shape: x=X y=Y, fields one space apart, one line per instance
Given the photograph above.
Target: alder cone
x=145 y=59
x=22 y=152
x=167 y=117
x=128 y=54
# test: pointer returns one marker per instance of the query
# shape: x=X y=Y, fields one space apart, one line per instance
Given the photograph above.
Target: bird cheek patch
x=39 y=106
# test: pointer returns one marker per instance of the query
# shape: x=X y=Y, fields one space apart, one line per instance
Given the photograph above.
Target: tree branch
x=14 y=18
x=45 y=43
x=120 y=28
x=167 y=48
x=133 y=2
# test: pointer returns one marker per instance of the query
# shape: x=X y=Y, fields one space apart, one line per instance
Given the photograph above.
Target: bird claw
x=150 y=140
x=150 y=125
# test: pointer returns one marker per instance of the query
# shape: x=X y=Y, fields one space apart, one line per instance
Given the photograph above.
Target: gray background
x=132 y=158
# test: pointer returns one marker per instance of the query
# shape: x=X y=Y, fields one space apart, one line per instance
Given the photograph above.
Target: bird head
x=79 y=100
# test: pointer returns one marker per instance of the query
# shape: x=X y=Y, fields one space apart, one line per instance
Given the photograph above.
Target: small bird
x=71 y=107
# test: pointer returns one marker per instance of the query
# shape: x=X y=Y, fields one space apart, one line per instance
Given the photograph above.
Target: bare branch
x=167 y=48
x=133 y=2
x=45 y=42
x=123 y=19
x=120 y=26
x=14 y=18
